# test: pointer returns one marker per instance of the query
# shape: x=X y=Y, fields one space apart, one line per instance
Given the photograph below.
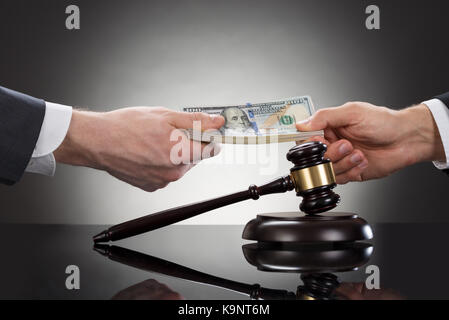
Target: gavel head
x=313 y=177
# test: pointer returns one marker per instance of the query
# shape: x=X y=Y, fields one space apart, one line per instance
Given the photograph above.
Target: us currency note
x=269 y=122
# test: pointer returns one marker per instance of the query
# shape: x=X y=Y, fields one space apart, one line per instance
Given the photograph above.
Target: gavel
x=312 y=177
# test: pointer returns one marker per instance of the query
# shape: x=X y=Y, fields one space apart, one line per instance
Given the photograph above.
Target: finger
x=209 y=150
x=330 y=135
x=186 y=151
x=327 y=118
x=338 y=150
x=314 y=138
x=186 y=120
x=335 y=151
x=355 y=174
x=200 y=151
x=350 y=161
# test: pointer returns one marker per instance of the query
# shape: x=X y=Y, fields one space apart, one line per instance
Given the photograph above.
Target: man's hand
x=133 y=144
x=367 y=142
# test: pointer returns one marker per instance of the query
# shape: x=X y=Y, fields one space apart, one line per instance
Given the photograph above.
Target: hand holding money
x=367 y=142
x=270 y=122
x=133 y=144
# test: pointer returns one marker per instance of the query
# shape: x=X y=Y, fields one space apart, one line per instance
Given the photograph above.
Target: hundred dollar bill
x=269 y=122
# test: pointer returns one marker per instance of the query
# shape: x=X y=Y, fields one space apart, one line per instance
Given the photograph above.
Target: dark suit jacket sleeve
x=444 y=98
x=21 y=118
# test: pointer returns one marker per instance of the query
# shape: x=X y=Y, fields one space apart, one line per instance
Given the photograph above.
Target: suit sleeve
x=444 y=130
x=21 y=118
x=444 y=98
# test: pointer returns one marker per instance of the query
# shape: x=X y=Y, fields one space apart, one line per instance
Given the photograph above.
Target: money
x=269 y=122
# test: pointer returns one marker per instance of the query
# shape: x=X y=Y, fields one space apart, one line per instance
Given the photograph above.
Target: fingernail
x=356 y=158
x=214 y=116
x=344 y=149
x=363 y=165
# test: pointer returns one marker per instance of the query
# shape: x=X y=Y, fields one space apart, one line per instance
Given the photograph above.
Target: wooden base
x=298 y=227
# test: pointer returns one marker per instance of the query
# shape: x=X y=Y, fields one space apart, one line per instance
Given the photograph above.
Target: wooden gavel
x=312 y=177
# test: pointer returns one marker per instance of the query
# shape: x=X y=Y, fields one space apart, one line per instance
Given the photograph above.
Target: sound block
x=299 y=227
x=306 y=258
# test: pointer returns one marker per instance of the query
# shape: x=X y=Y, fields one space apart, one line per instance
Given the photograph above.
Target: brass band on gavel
x=313 y=177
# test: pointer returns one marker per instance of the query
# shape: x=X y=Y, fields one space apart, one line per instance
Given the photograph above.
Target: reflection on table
x=316 y=264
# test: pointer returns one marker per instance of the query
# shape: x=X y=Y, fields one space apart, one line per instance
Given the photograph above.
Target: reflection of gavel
x=315 y=263
x=312 y=177
x=152 y=264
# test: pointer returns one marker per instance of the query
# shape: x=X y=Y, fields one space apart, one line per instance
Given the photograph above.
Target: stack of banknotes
x=269 y=122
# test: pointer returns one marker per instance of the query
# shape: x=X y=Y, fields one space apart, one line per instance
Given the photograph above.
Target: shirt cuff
x=45 y=165
x=440 y=113
x=53 y=131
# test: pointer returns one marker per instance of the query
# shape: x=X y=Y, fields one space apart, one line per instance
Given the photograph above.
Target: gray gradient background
x=176 y=53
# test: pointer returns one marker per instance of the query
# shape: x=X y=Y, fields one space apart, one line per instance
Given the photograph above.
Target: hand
x=133 y=144
x=148 y=290
x=367 y=142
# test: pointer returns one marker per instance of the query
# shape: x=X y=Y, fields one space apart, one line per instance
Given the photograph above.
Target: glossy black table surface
x=205 y=262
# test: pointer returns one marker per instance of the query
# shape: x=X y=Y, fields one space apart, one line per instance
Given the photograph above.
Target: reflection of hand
x=133 y=144
x=148 y=290
x=358 y=291
x=367 y=142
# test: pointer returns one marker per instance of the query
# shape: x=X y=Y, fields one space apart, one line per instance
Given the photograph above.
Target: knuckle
x=385 y=110
x=351 y=103
x=352 y=106
x=320 y=113
x=173 y=114
x=197 y=116
x=332 y=157
x=163 y=112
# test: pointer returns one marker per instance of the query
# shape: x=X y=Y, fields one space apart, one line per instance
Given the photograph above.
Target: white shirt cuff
x=440 y=113
x=53 y=131
x=45 y=165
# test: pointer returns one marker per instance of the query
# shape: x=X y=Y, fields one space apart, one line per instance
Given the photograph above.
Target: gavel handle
x=170 y=216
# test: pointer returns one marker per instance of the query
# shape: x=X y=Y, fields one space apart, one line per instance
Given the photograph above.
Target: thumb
x=185 y=120
x=325 y=118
